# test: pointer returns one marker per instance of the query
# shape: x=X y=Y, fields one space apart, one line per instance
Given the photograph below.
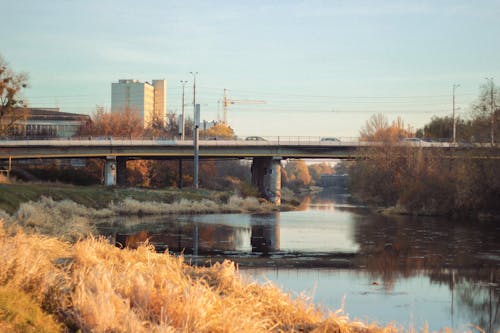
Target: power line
x=69 y=99
x=339 y=97
x=235 y=92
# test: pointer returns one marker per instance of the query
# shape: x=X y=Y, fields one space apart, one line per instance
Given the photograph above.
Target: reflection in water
x=195 y=238
x=131 y=241
x=435 y=270
x=265 y=237
x=461 y=255
x=183 y=238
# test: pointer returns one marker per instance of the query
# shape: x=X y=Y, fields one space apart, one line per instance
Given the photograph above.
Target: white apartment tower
x=148 y=99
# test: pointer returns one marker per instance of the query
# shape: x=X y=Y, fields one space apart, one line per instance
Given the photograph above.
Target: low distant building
x=338 y=181
x=149 y=100
x=44 y=123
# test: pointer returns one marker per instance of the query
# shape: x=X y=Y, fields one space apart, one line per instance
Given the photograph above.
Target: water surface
x=410 y=270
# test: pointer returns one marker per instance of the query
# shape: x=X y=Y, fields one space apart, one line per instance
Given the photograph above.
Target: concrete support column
x=121 y=171
x=110 y=171
x=266 y=175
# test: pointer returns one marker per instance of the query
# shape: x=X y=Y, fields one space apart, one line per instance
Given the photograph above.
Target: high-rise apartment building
x=148 y=99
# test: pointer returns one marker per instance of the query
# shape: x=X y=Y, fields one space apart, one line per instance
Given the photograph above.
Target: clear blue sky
x=323 y=67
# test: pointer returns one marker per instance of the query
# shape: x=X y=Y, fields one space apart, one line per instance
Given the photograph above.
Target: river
x=412 y=271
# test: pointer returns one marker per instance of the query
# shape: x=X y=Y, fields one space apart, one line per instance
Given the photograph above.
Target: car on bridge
x=415 y=142
x=330 y=139
x=255 y=138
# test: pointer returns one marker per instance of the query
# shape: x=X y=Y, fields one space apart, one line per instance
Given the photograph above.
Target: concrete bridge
x=266 y=154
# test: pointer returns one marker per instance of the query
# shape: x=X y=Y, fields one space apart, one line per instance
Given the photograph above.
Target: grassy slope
x=20 y=313
x=96 y=287
x=12 y=195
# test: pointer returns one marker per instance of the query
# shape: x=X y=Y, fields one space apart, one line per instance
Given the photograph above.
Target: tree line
x=476 y=126
x=419 y=181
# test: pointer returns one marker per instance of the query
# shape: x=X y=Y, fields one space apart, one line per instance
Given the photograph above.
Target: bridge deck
x=157 y=149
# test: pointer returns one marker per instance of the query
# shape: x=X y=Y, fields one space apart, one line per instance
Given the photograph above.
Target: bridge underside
x=266 y=175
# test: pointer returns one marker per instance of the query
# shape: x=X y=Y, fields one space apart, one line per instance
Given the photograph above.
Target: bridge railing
x=238 y=141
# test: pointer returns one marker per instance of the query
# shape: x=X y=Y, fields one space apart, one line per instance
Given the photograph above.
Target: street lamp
x=194 y=90
x=195 y=135
x=183 y=125
x=454 y=119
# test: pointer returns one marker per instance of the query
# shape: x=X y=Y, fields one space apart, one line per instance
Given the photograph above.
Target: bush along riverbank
x=418 y=182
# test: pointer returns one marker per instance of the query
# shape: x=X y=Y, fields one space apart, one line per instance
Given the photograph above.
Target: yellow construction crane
x=227 y=101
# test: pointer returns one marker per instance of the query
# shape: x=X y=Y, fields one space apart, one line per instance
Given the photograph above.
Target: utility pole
x=492 y=106
x=454 y=118
x=183 y=125
x=195 y=135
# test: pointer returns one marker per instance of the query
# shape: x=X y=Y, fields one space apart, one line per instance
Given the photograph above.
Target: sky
x=322 y=67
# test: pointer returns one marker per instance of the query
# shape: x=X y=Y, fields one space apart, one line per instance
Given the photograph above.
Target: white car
x=415 y=142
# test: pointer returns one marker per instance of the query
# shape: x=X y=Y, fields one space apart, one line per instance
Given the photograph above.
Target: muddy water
x=412 y=271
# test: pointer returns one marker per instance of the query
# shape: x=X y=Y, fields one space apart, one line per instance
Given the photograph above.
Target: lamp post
x=195 y=135
x=183 y=125
x=454 y=118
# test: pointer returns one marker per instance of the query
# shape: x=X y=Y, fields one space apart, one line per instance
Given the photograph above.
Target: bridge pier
x=115 y=171
x=110 y=171
x=121 y=171
x=266 y=175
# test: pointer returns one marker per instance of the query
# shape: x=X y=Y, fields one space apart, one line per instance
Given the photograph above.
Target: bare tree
x=126 y=123
x=12 y=107
x=485 y=113
x=376 y=124
x=489 y=94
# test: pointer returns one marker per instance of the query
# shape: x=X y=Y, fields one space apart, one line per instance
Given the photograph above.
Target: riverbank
x=72 y=212
x=93 y=286
x=97 y=196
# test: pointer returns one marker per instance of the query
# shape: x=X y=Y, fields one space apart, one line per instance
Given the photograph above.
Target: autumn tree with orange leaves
x=219 y=131
x=296 y=174
x=377 y=128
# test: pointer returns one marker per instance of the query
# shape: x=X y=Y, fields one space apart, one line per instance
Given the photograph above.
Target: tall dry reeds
x=234 y=204
x=96 y=287
x=64 y=219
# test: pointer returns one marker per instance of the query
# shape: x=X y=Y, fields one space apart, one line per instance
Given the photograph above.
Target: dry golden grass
x=20 y=314
x=235 y=204
x=63 y=219
x=97 y=287
x=70 y=221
